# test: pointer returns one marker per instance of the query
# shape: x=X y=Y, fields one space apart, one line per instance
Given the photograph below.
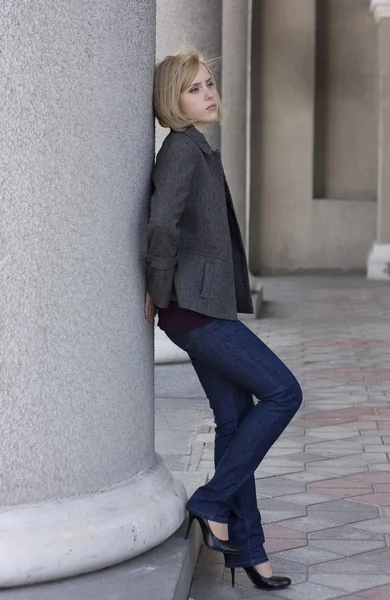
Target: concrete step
x=164 y=573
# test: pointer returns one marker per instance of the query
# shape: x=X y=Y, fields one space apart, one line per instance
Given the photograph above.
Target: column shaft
x=79 y=476
x=235 y=132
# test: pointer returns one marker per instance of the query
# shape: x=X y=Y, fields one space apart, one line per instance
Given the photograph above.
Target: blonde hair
x=174 y=75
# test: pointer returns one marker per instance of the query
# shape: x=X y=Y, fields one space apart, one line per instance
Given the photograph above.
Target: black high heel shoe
x=210 y=539
x=264 y=583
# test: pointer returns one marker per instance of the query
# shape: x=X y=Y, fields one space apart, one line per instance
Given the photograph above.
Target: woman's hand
x=150 y=309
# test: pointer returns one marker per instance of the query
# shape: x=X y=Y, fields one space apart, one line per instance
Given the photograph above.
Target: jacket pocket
x=207 y=280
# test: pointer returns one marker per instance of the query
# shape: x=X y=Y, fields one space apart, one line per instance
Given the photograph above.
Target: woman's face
x=200 y=100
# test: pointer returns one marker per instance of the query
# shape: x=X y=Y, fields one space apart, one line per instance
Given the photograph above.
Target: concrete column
x=283 y=94
x=196 y=23
x=379 y=258
x=81 y=487
x=235 y=131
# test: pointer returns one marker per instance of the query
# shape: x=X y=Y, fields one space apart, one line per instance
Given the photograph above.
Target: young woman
x=197 y=280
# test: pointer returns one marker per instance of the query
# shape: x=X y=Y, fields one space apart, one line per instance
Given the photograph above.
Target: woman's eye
x=211 y=84
x=195 y=89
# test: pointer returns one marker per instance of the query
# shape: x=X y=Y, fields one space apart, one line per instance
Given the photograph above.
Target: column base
x=378 y=264
x=85 y=533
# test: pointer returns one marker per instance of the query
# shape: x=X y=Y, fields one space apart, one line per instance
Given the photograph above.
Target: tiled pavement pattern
x=324 y=488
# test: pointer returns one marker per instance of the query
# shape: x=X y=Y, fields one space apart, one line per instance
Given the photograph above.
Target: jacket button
x=148 y=260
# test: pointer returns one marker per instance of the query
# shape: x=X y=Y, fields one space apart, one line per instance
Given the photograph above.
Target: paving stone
x=281 y=566
x=347 y=506
x=286 y=443
x=381 y=525
x=278 y=486
x=168 y=419
x=280 y=504
x=305 y=439
x=345 y=532
x=308 y=555
x=342 y=482
x=304 y=457
x=329 y=435
x=282 y=452
x=350 y=597
x=339 y=446
x=344 y=493
x=206 y=465
x=371 y=478
x=382 y=467
x=177 y=381
x=309 y=591
x=276 y=531
x=174 y=442
x=221 y=590
x=306 y=498
x=181 y=404
x=336 y=467
x=309 y=524
x=336 y=452
x=278 y=545
x=374 y=499
x=267 y=471
x=176 y=462
x=351 y=566
x=279 y=462
x=350 y=583
x=377 y=593
x=342 y=518
x=274 y=516
x=346 y=548
x=205 y=437
x=378 y=556
x=369 y=458
x=378 y=448
x=307 y=477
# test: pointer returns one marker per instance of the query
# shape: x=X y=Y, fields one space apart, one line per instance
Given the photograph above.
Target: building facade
x=319 y=185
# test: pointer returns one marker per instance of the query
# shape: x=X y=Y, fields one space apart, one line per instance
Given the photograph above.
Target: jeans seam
x=247 y=528
x=241 y=501
x=274 y=422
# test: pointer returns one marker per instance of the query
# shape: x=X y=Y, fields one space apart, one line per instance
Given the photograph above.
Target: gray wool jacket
x=195 y=251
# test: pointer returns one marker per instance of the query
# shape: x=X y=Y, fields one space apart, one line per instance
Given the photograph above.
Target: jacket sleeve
x=171 y=180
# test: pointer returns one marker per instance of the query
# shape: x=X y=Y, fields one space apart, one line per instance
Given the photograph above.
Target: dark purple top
x=179 y=320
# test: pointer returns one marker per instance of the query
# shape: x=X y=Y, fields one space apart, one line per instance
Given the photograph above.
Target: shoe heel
x=190 y=521
x=233 y=577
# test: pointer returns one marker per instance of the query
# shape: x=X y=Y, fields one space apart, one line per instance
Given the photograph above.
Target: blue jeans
x=233 y=365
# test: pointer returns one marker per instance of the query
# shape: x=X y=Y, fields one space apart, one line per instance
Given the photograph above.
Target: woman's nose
x=209 y=95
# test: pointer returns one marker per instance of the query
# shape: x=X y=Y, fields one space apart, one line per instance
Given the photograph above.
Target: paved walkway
x=324 y=488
